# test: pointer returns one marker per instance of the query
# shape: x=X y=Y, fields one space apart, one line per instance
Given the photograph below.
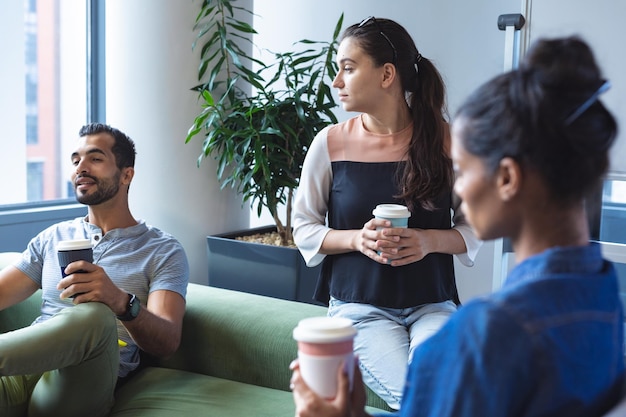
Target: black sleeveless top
x=353 y=277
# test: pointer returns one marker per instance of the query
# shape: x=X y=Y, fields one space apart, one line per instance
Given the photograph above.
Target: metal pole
x=511 y=24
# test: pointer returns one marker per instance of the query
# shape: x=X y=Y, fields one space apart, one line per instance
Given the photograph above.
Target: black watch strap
x=132 y=308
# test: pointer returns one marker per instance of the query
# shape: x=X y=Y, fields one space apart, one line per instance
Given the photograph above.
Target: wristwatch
x=132 y=309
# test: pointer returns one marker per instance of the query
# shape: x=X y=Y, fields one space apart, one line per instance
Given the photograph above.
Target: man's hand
x=92 y=284
x=345 y=404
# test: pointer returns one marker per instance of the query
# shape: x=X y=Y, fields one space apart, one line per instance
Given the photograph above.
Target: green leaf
x=338 y=27
x=242 y=27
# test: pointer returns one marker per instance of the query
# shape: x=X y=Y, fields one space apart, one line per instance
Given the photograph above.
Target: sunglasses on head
x=372 y=19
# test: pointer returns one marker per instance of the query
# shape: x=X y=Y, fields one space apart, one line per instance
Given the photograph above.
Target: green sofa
x=233 y=360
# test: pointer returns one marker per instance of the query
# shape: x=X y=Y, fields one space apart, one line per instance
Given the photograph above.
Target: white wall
x=150 y=68
x=460 y=36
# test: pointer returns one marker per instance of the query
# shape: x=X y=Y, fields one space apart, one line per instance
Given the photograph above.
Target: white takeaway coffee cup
x=397 y=214
x=325 y=344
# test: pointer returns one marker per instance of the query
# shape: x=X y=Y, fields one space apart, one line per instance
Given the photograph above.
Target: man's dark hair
x=123 y=148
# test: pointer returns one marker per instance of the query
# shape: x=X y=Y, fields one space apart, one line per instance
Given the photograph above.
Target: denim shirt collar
x=558 y=260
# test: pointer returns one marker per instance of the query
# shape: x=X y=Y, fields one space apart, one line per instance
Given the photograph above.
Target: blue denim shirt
x=549 y=343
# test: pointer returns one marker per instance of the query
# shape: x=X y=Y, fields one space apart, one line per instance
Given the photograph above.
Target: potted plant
x=258 y=124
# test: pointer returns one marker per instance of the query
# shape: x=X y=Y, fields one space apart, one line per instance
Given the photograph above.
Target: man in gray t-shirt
x=76 y=348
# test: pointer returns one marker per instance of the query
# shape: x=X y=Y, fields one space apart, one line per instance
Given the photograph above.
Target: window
x=31 y=128
x=35 y=181
x=44 y=102
x=613 y=218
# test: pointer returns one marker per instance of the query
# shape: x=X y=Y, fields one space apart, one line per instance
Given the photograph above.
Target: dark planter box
x=255 y=268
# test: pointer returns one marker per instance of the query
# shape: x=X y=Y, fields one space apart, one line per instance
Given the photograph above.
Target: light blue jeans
x=65 y=366
x=386 y=339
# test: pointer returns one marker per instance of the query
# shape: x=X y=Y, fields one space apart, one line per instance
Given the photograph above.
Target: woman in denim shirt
x=528 y=147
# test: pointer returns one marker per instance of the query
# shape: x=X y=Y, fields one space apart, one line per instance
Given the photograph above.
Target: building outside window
x=35 y=181
x=44 y=100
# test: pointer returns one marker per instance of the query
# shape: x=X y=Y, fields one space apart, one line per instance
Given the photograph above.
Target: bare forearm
x=15 y=287
x=153 y=334
x=339 y=241
x=446 y=241
x=158 y=327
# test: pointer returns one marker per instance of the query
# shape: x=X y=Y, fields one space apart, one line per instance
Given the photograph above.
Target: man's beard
x=107 y=189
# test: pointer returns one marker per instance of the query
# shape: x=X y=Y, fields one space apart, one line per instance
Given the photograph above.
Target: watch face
x=132 y=310
x=134 y=306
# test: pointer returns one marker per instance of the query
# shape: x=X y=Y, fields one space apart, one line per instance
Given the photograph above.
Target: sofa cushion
x=161 y=392
x=239 y=336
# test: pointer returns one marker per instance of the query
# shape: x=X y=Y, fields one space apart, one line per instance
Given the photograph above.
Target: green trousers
x=65 y=366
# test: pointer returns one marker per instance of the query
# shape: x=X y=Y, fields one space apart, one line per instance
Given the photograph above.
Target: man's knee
x=95 y=317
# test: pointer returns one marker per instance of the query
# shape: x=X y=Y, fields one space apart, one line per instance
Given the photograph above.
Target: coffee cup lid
x=324 y=330
x=391 y=211
x=74 y=244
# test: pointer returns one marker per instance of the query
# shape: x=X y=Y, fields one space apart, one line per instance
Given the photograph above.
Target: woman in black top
x=397 y=285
